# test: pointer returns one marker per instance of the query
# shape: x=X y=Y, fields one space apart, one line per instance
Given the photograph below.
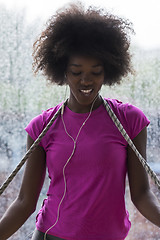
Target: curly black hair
x=92 y=32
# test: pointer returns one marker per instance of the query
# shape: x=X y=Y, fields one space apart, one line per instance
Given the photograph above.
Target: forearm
x=149 y=206
x=14 y=218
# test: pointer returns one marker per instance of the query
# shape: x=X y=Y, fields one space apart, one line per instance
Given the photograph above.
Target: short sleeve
x=35 y=127
x=136 y=120
x=132 y=118
x=37 y=124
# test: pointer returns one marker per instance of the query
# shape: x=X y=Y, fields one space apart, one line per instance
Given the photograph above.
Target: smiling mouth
x=86 y=91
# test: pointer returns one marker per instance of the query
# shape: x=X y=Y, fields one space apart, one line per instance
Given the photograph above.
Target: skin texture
x=84 y=73
x=80 y=74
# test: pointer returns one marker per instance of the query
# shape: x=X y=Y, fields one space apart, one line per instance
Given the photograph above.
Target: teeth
x=86 y=91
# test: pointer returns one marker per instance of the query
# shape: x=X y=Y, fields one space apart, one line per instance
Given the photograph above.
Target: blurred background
x=23 y=96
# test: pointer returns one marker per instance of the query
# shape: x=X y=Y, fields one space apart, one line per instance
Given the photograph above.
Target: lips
x=86 y=91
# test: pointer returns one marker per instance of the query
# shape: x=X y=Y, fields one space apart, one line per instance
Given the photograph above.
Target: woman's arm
x=141 y=194
x=25 y=203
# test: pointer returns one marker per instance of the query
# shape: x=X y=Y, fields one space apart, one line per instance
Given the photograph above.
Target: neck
x=78 y=108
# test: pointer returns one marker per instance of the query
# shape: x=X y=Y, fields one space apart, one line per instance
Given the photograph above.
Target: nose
x=86 y=79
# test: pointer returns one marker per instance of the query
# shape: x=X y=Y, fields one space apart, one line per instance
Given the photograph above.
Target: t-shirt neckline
x=81 y=115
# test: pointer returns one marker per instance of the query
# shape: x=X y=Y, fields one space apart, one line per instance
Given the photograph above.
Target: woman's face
x=85 y=76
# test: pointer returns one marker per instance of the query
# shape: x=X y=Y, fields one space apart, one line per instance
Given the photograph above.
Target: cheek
x=100 y=82
x=71 y=82
x=73 y=86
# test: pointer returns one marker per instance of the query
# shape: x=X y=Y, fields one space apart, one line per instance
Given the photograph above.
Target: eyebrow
x=79 y=65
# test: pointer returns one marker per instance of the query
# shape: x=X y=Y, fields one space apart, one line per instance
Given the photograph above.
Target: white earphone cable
x=73 y=151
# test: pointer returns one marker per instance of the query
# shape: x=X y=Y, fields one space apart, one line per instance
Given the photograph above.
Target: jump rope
x=118 y=124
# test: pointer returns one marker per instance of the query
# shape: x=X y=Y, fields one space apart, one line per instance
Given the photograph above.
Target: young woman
x=86 y=156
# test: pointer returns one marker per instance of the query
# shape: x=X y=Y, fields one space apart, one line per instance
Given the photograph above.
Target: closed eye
x=97 y=73
x=94 y=73
x=76 y=73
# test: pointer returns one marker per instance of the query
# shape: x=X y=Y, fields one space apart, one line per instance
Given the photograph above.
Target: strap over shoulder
x=131 y=144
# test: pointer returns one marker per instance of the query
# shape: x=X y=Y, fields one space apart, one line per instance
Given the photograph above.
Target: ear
x=65 y=76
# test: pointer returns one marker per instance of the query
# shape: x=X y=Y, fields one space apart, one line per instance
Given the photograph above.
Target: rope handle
x=117 y=123
x=144 y=163
x=29 y=152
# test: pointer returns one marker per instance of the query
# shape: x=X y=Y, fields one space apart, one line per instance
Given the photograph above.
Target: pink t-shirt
x=94 y=204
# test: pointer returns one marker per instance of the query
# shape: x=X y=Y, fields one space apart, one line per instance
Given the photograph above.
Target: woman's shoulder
x=41 y=120
x=38 y=123
x=126 y=109
x=46 y=115
x=132 y=118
